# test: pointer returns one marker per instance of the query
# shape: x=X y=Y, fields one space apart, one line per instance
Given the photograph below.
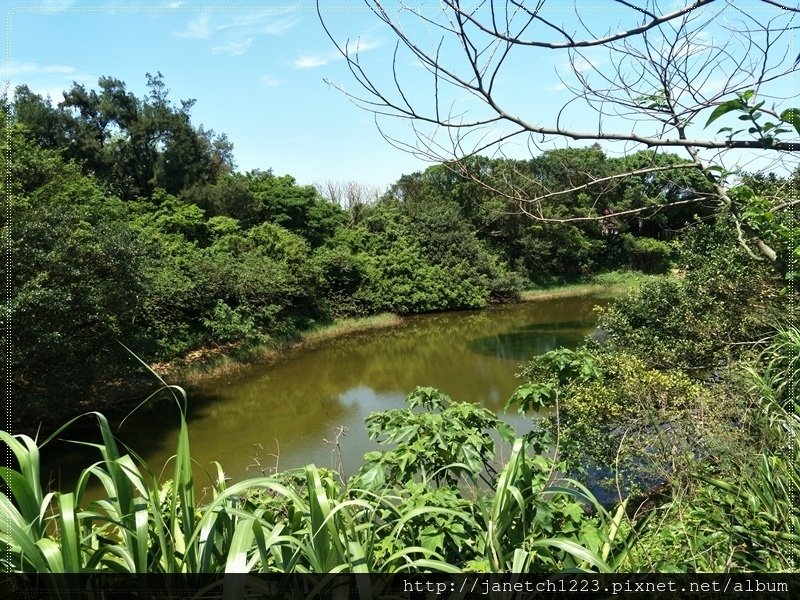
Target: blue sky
x=257 y=71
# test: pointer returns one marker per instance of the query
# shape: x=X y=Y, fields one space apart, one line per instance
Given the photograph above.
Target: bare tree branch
x=571 y=43
x=664 y=73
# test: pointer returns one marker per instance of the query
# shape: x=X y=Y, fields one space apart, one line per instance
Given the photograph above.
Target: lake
x=281 y=414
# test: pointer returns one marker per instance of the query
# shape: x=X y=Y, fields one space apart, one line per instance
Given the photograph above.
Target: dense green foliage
x=558 y=245
x=129 y=225
x=131 y=145
x=692 y=395
x=720 y=298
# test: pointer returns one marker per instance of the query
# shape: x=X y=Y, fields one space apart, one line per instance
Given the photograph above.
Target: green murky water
x=289 y=408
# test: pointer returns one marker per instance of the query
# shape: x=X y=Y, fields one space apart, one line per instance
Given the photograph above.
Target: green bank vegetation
x=688 y=409
x=130 y=225
x=438 y=500
x=612 y=284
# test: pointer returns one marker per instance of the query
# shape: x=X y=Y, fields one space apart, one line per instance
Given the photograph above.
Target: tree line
x=129 y=224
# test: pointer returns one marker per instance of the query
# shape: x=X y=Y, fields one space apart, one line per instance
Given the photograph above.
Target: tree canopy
x=132 y=145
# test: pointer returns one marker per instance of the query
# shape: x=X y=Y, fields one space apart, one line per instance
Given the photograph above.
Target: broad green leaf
x=792 y=116
x=241 y=544
x=68 y=532
x=723 y=109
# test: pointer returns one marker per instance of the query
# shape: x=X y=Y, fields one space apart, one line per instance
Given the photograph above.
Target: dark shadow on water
x=150 y=429
x=602 y=482
x=523 y=345
x=583 y=324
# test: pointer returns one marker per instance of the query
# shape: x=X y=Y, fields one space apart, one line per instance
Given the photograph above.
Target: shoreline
x=606 y=285
x=575 y=290
x=210 y=364
x=205 y=365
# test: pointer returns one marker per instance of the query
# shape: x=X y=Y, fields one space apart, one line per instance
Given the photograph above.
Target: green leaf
x=579 y=552
x=573 y=511
x=68 y=530
x=792 y=116
x=241 y=544
x=723 y=109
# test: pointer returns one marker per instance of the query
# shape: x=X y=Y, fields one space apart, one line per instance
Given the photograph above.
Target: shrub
x=647 y=254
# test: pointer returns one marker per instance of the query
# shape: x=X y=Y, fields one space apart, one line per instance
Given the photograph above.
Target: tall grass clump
x=448 y=510
x=138 y=526
x=776 y=380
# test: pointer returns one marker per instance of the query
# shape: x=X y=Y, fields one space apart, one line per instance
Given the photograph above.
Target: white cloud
x=362 y=45
x=280 y=26
x=32 y=68
x=47 y=80
x=310 y=61
x=55 y=94
x=233 y=48
x=267 y=23
x=197 y=28
x=236 y=33
x=582 y=64
x=270 y=81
